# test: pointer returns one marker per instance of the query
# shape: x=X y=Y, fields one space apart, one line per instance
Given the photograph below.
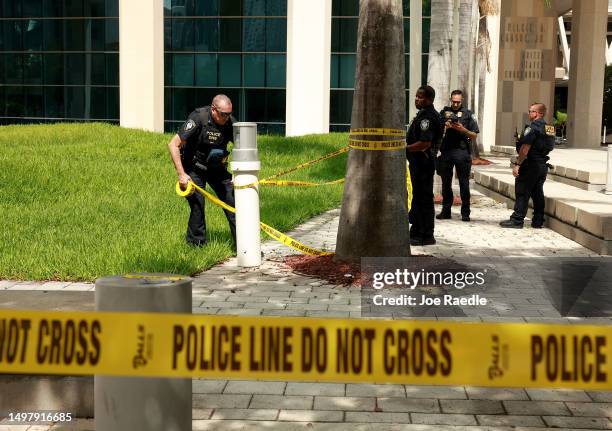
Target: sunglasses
x=221 y=113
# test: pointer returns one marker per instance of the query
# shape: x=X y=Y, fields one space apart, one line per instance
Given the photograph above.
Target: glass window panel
x=254 y=7
x=111 y=34
x=96 y=98
x=12 y=9
x=275 y=101
x=75 y=102
x=167 y=70
x=207 y=34
x=183 y=69
x=183 y=34
x=14 y=69
x=229 y=70
x=406 y=35
x=74 y=69
x=336 y=7
x=97 y=71
x=406 y=7
x=2 y=75
x=190 y=8
x=112 y=69
x=255 y=105
x=112 y=8
x=204 y=96
x=348 y=35
x=206 y=70
x=52 y=8
x=34 y=102
x=167 y=34
x=347 y=71
x=32 y=34
x=276 y=35
x=407 y=72
x=167 y=104
x=54 y=69
x=426 y=27
x=73 y=7
x=13 y=35
x=425 y=69
x=182 y=103
x=112 y=103
x=426 y=7
x=275 y=70
x=335 y=35
x=14 y=102
x=95 y=8
x=254 y=70
x=230 y=7
x=2 y=101
x=254 y=35
x=276 y=7
x=75 y=34
x=54 y=35
x=32 y=69
x=349 y=7
x=32 y=8
x=207 y=8
x=54 y=102
x=334 y=71
x=96 y=32
x=341 y=104
x=230 y=34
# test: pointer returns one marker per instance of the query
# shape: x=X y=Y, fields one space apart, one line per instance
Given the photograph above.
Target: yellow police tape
x=377 y=145
x=278 y=236
x=378 y=132
x=269 y=179
x=306 y=349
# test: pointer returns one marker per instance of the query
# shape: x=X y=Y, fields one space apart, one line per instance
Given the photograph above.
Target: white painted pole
x=609 y=177
x=246 y=165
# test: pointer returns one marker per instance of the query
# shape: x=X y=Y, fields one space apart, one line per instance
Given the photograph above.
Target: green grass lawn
x=81 y=201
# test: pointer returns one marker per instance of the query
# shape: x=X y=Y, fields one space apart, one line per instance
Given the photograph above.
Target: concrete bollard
x=143 y=403
x=245 y=164
x=609 y=173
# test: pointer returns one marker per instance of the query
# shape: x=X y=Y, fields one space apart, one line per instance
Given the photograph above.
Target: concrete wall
x=527 y=58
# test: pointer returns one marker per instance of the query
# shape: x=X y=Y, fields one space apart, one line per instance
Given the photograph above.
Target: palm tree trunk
x=374 y=215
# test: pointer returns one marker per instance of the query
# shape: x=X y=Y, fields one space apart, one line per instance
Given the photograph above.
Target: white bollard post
x=245 y=164
x=609 y=177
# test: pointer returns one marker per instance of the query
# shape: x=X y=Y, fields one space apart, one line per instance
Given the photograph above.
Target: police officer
x=424 y=130
x=530 y=168
x=460 y=129
x=199 y=152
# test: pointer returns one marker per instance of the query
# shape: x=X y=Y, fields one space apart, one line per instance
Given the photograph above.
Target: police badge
x=425 y=124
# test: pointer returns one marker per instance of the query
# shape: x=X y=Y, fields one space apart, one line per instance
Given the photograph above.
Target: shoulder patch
x=424 y=124
x=550 y=130
x=190 y=124
x=527 y=131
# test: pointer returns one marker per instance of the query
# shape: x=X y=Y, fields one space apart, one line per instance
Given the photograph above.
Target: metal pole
x=139 y=403
x=245 y=164
x=609 y=177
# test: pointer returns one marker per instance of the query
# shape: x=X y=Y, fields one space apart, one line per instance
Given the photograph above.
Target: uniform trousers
x=530 y=183
x=462 y=161
x=422 y=211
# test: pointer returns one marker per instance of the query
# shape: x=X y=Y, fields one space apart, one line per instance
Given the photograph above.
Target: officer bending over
x=424 y=130
x=460 y=129
x=531 y=167
x=199 y=152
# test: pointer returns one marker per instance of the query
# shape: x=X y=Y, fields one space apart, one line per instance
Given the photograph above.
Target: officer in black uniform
x=460 y=129
x=424 y=131
x=199 y=152
x=531 y=167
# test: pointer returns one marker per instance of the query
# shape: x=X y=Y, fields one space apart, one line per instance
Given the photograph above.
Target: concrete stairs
x=575 y=206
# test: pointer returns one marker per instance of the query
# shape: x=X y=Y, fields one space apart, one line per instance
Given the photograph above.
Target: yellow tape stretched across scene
x=357 y=144
x=306 y=349
x=369 y=131
x=273 y=233
x=296 y=168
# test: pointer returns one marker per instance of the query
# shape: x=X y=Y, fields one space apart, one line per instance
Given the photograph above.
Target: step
x=578 y=167
x=586 y=211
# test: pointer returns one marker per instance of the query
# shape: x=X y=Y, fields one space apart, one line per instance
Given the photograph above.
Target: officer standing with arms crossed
x=424 y=130
x=531 y=168
x=199 y=153
x=460 y=129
